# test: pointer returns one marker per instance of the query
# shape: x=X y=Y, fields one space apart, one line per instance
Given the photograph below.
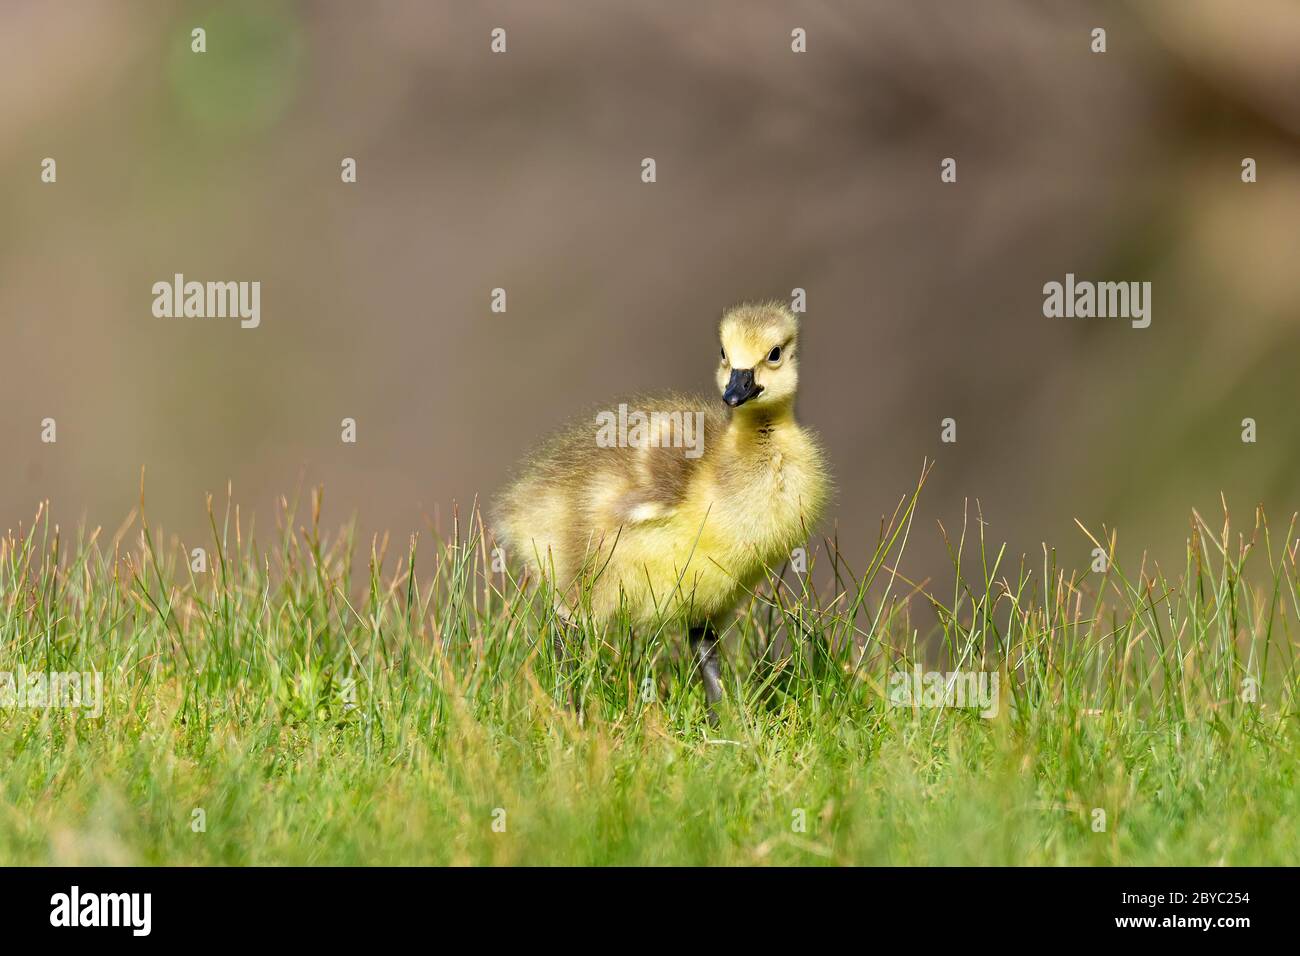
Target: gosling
x=676 y=504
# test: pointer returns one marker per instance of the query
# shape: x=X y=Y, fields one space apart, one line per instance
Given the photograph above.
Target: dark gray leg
x=566 y=639
x=704 y=648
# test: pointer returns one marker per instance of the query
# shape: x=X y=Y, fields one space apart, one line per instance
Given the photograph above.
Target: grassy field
x=271 y=708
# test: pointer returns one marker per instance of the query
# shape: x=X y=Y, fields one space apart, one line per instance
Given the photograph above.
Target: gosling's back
x=658 y=527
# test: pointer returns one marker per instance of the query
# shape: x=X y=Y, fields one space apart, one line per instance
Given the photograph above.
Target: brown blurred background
x=775 y=170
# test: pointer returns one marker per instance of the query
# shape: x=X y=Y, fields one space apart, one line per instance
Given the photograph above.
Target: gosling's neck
x=758 y=425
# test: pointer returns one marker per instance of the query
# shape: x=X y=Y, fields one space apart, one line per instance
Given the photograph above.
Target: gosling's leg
x=566 y=639
x=704 y=648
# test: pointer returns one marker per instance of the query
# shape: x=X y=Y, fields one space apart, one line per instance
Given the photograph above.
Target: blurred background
x=775 y=171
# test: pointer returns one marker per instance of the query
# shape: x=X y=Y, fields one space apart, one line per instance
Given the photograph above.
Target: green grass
x=318 y=718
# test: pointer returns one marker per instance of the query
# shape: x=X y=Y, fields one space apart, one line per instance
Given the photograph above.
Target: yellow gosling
x=676 y=504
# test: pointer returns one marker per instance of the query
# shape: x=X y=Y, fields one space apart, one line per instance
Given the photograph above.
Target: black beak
x=741 y=388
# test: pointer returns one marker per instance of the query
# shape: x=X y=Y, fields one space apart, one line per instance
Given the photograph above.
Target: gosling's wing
x=599 y=478
x=646 y=480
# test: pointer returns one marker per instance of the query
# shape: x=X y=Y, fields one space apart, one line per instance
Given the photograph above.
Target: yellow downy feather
x=658 y=527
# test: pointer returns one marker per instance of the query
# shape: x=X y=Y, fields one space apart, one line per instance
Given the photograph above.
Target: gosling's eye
x=774 y=356
x=724 y=355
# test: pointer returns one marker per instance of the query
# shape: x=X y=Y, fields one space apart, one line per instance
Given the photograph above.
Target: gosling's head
x=759 y=362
